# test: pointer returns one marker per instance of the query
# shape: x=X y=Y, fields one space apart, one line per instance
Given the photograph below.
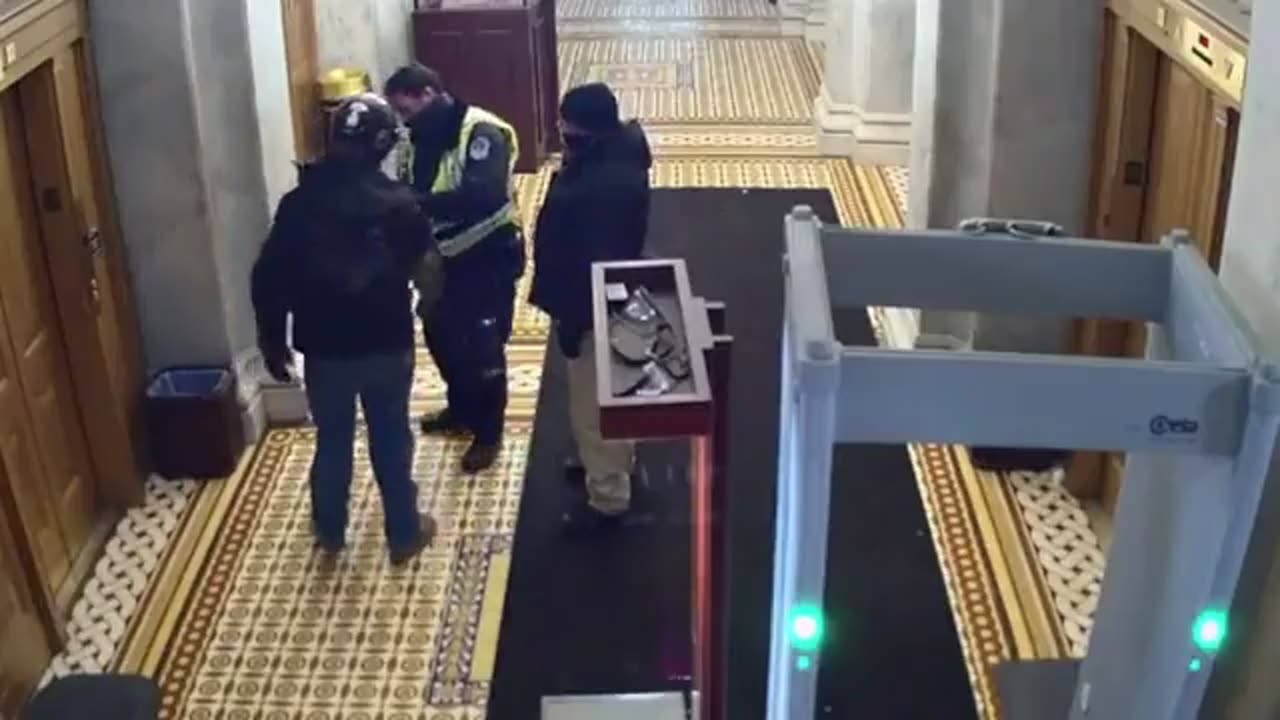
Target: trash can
x=193 y=423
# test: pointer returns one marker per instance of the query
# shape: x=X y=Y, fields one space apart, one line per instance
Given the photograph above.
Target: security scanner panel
x=1199 y=416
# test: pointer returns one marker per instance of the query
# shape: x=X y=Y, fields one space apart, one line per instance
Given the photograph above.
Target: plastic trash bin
x=193 y=423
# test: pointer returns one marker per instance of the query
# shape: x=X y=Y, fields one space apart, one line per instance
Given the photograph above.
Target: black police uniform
x=467 y=328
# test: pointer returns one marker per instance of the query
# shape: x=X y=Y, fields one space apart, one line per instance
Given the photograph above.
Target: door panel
x=1121 y=169
x=24 y=647
x=20 y=339
x=79 y=155
x=1175 y=155
x=1191 y=149
x=41 y=362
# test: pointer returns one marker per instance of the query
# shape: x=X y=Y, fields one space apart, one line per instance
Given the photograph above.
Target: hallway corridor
x=214 y=588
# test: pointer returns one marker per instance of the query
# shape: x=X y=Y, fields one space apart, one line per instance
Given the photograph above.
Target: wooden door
x=304 y=74
x=25 y=650
x=1122 y=147
x=1166 y=164
x=65 y=481
x=84 y=247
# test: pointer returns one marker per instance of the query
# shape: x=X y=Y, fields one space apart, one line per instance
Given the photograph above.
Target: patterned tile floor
x=727 y=101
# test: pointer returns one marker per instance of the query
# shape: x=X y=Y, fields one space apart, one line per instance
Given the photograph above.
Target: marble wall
x=1009 y=134
x=375 y=35
x=199 y=146
x=149 y=114
x=864 y=109
x=271 y=95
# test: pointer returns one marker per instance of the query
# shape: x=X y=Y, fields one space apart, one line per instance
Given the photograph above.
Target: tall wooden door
x=1166 y=151
x=25 y=650
x=83 y=249
x=301 y=51
x=64 y=484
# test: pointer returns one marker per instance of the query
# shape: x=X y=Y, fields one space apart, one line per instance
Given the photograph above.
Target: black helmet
x=365 y=122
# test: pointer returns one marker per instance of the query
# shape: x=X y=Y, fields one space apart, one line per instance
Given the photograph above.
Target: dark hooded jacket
x=338 y=259
x=597 y=209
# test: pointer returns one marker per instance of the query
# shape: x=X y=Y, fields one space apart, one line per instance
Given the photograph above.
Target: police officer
x=338 y=260
x=461 y=162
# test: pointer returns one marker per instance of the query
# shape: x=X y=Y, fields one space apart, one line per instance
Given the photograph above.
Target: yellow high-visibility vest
x=449 y=178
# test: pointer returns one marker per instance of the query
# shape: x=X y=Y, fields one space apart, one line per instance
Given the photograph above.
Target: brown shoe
x=480 y=457
x=426 y=535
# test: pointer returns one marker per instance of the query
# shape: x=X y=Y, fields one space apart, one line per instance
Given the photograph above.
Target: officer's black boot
x=480 y=456
x=442 y=423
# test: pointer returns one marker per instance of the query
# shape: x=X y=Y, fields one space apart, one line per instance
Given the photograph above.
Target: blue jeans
x=383 y=384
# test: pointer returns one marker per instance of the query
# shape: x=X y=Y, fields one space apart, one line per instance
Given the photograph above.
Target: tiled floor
x=727 y=102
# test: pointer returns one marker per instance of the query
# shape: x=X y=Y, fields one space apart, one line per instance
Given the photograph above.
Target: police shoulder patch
x=479 y=148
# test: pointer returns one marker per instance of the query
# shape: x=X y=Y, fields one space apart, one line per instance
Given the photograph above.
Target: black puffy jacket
x=339 y=257
x=596 y=210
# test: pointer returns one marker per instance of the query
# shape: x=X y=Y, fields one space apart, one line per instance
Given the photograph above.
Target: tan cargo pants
x=608 y=464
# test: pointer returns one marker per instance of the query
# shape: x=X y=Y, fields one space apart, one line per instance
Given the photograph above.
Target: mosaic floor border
x=665 y=9
x=578 y=29
x=699 y=80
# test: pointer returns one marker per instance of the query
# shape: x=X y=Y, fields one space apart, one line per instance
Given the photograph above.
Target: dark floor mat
x=614 y=616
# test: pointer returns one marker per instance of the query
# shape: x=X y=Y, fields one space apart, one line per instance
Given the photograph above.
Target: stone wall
x=374 y=35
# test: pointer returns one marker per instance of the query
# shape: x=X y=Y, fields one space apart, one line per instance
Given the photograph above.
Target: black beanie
x=591 y=107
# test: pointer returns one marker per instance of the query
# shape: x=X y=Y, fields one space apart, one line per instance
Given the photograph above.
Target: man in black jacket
x=338 y=260
x=597 y=209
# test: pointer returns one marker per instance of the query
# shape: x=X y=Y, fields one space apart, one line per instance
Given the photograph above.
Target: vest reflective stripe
x=449 y=177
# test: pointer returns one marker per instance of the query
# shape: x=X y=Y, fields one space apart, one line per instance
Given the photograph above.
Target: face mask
x=434 y=118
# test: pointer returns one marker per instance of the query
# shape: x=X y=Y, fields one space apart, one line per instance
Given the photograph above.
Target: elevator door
x=1165 y=152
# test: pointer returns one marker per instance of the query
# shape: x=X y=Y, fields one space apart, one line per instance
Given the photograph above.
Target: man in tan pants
x=606 y=465
x=596 y=210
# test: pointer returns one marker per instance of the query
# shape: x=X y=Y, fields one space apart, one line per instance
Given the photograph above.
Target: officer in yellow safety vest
x=461 y=160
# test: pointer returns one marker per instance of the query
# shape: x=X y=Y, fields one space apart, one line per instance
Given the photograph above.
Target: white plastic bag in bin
x=198 y=382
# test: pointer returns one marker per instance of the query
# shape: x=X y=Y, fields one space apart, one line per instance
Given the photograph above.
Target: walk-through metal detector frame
x=1199 y=417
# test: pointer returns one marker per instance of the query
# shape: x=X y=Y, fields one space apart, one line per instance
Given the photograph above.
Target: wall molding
x=795 y=17
x=868 y=138
x=817 y=21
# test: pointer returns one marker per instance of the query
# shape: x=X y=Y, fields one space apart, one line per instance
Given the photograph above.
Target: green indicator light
x=1195 y=665
x=806 y=628
x=1210 y=630
x=804 y=662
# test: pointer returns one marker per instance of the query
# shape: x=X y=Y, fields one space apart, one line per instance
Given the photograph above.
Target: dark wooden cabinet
x=501 y=56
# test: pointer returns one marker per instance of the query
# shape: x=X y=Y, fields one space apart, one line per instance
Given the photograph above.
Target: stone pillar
x=1012 y=89
x=817 y=21
x=795 y=16
x=373 y=35
x=864 y=110
x=185 y=125
x=1244 y=687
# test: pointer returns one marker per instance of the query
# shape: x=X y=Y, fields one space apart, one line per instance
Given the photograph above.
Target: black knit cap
x=591 y=107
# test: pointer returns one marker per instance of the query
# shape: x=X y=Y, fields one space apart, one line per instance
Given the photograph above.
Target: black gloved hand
x=570 y=339
x=279 y=364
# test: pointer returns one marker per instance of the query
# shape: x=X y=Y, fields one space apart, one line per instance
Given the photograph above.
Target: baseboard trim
x=868 y=138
